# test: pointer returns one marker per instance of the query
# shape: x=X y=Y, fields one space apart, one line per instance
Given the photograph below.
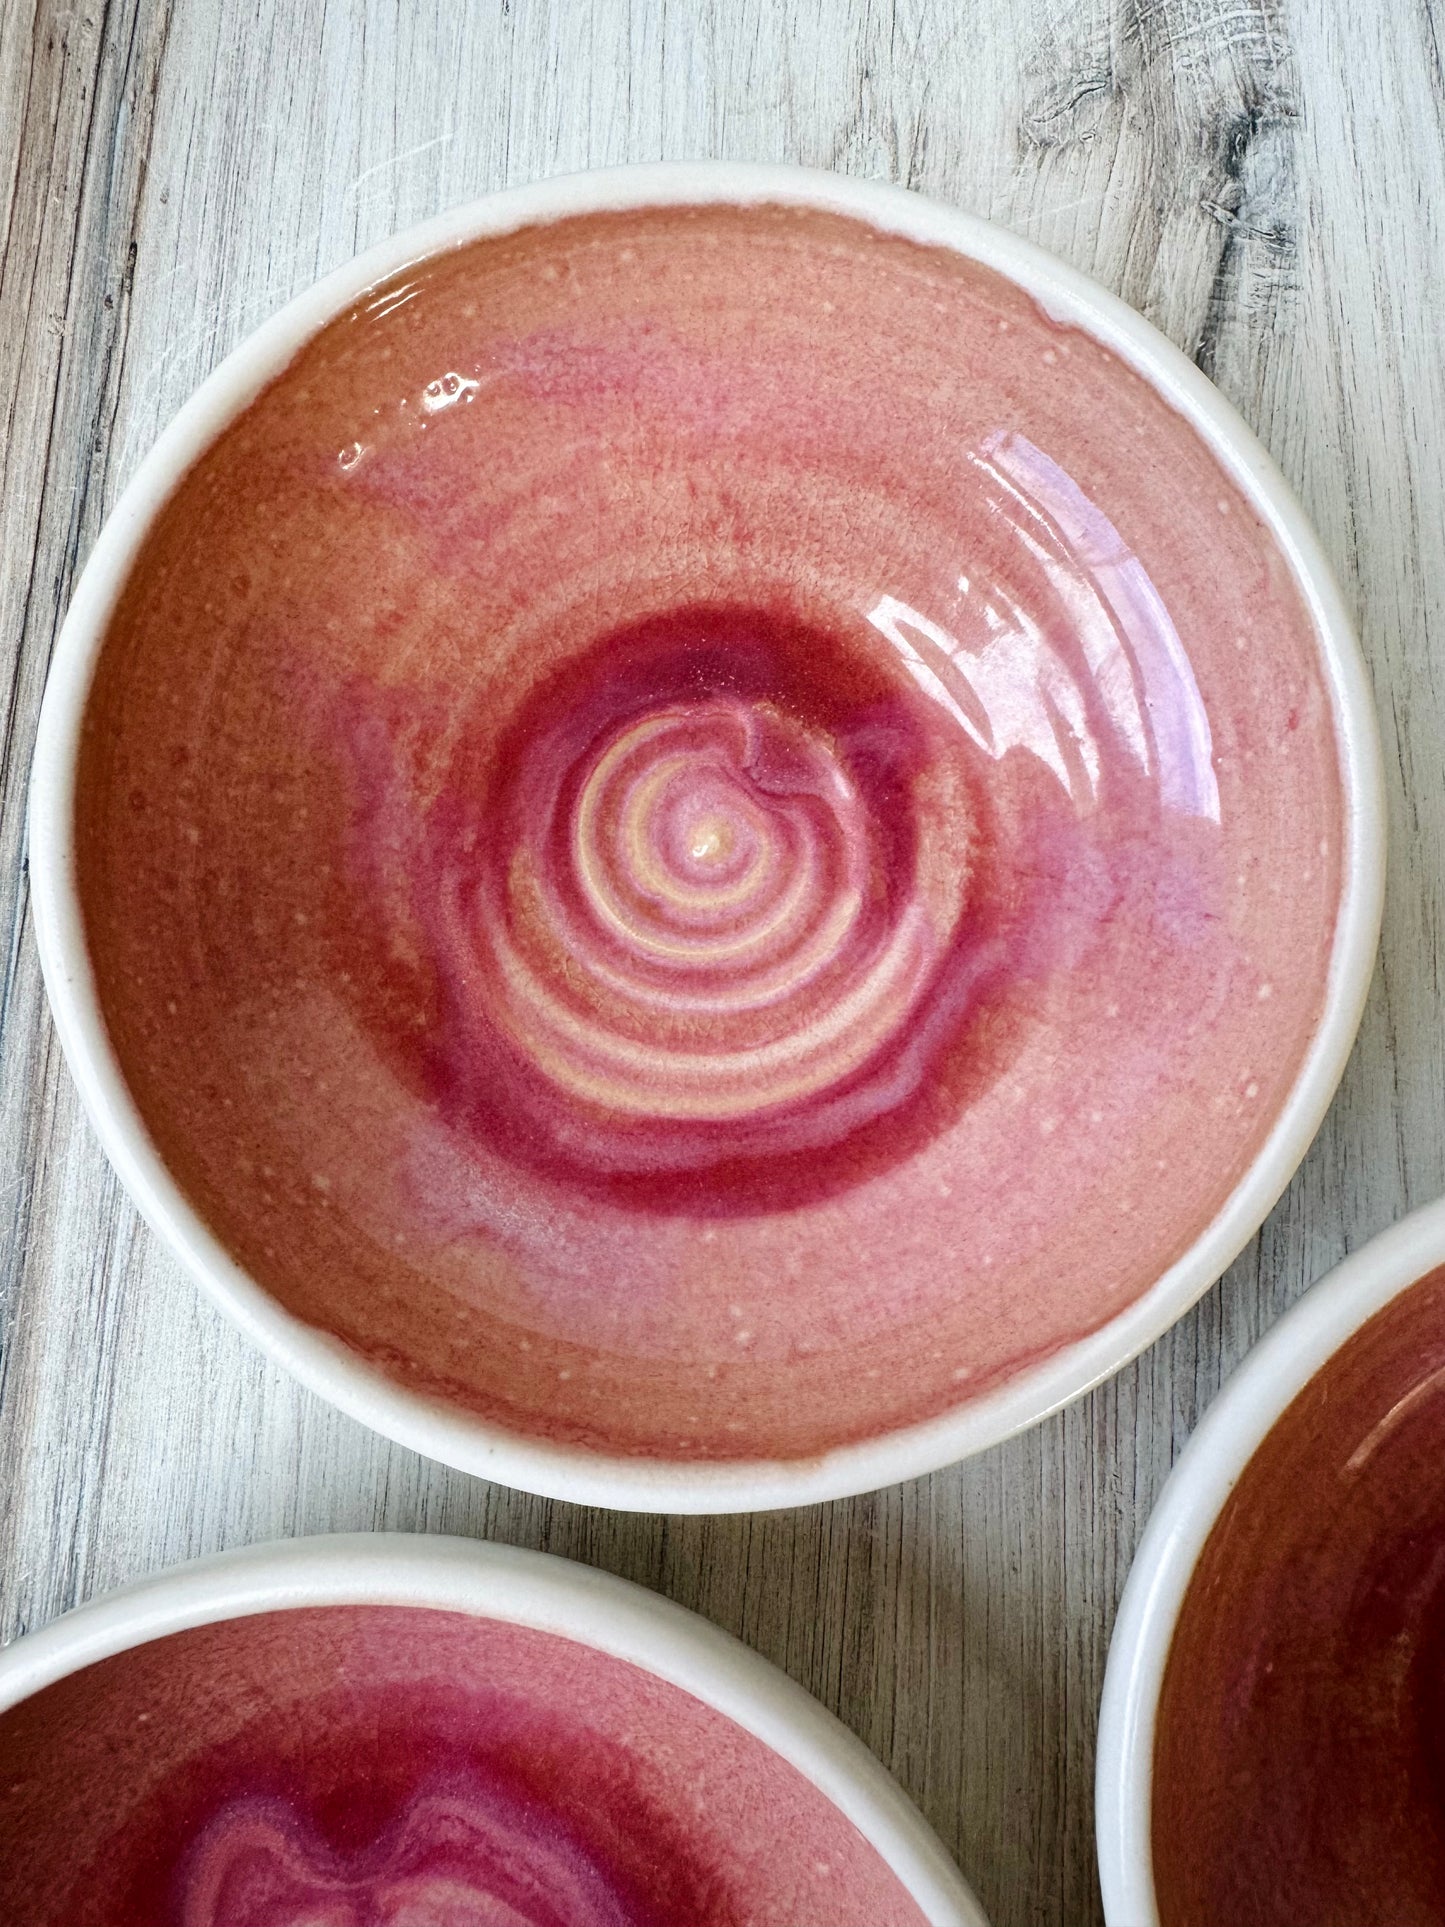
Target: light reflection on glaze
x=464 y=1855
x=1010 y=687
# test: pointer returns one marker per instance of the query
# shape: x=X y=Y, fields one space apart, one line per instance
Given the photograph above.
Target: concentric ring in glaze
x=714 y=842
x=350 y=1762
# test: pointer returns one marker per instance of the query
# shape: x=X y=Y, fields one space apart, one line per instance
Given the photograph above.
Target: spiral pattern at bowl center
x=686 y=920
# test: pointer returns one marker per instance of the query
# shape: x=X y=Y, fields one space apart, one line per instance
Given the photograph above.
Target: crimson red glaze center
x=704 y=835
x=1299 y=1765
x=373 y=1766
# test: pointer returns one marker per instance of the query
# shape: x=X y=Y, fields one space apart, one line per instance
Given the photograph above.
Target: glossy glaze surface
x=682 y=822
x=382 y=1767
x=1299 y=1759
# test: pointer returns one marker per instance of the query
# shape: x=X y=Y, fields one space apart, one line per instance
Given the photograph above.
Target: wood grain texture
x=1264 y=178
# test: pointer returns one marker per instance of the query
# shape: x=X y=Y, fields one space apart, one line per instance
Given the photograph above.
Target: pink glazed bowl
x=377 y=1730
x=705 y=836
x=1271 y=1743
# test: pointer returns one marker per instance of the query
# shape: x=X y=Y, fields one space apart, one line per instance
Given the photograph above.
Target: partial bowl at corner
x=705 y=836
x=1270 y=1740
x=380 y=1728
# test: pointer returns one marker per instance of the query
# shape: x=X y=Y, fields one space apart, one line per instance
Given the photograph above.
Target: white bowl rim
x=523 y=1588
x=443 y=1432
x=1271 y=1376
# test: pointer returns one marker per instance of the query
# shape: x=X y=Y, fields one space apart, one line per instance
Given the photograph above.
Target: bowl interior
x=678 y=825
x=364 y=1765
x=1299 y=1763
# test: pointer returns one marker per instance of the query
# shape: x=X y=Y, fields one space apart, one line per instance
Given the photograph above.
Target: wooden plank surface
x=1264 y=178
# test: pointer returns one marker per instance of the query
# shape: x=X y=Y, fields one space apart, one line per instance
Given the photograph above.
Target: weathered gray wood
x=1265 y=178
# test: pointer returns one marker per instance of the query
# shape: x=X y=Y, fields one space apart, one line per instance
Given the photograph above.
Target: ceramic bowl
x=1269 y=1741
x=660 y=813
x=380 y=1728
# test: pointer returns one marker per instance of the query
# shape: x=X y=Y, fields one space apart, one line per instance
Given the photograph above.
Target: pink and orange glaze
x=382 y=1767
x=1299 y=1762
x=704 y=834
